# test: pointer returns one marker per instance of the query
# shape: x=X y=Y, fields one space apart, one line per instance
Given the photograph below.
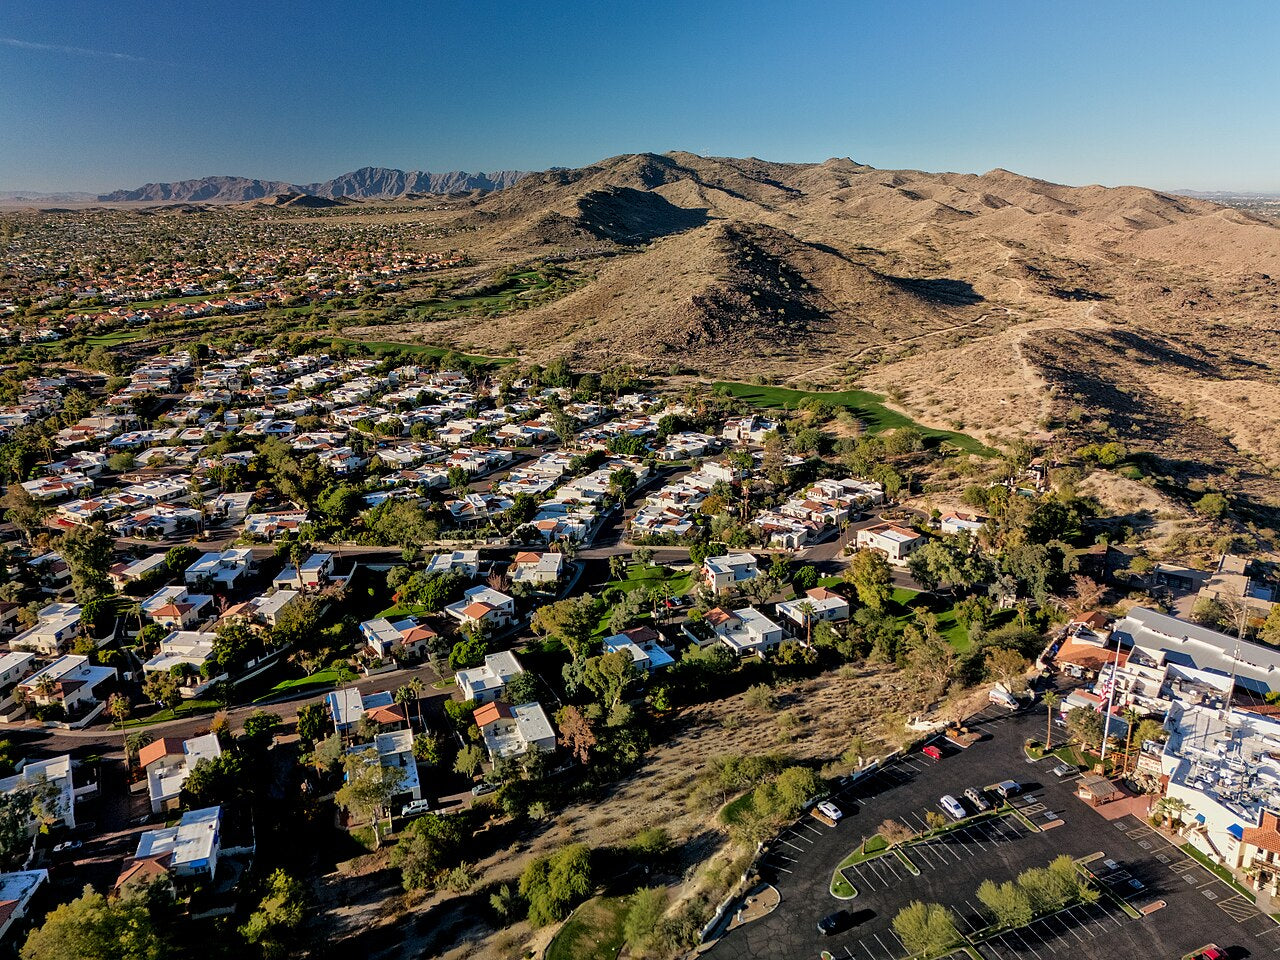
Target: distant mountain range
x=367 y=183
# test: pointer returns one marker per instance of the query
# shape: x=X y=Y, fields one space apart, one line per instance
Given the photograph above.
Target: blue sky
x=96 y=95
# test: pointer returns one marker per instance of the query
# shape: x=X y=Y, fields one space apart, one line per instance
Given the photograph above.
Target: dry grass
x=816 y=719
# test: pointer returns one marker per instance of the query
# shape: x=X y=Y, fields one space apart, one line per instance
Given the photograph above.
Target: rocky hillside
x=995 y=303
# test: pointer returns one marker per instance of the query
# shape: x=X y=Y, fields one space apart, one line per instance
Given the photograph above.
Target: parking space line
x=792 y=845
x=1027 y=945
x=891 y=953
x=1054 y=933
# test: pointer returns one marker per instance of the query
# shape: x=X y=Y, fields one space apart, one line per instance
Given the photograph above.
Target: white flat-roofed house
x=57 y=625
x=537 y=568
x=182 y=647
x=169 y=761
x=123 y=574
x=817 y=605
x=510 y=731
x=746 y=631
x=752 y=429
x=54 y=775
x=643 y=644
x=176 y=608
x=16 y=891
x=720 y=573
x=463 y=562
x=268 y=526
x=483 y=606
x=487 y=682
x=14 y=666
x=191 y=847
x=224 y=570
x=895 y=542
x=955 y=522
x=44 y=489
x=71 y=681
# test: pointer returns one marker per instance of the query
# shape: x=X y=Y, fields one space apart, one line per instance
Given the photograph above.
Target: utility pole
x=1111 y=696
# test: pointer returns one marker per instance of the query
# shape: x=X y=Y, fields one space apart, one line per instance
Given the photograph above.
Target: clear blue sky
x=97 y=95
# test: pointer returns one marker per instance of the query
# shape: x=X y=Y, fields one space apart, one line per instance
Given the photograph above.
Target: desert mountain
x=989 y=302
x=364 y=184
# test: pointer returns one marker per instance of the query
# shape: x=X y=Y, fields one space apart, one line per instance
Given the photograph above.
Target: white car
x=952 y=806
x=829 y=809
x=415 y=808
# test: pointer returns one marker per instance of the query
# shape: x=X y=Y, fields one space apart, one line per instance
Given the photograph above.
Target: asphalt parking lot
x=1199 y=908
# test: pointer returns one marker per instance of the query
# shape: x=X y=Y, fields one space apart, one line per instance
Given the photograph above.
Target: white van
x=1004 y=698
x=952 y=806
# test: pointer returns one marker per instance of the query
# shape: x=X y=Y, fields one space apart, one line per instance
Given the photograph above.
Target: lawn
x=904 y=602
x=592 y=932
x=866 y=406
x=398 y=610
x=313 y=683
x=187 y=708
x=644 y=577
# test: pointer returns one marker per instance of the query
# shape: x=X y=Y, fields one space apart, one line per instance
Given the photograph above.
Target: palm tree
x=1131 y=718
x=403 y=696
x=417 y=686
x=134 y=743
x=118 y=707
x=1051 y=700
x=46 y=687
x=806 y=610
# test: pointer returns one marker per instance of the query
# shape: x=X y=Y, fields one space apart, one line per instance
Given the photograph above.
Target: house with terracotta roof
x=176 y=607
x=169 y=761
x=536 y=568
x=510 y=731
x=382 y=637
x=483 y=606
x=71 y=681
x=348 y=705
x=1260 y=853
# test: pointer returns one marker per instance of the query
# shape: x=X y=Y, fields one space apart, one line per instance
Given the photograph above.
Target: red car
x=1211 y=953
x=933 y=752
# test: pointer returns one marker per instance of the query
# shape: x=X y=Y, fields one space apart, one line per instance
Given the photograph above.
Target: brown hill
x=994 y=302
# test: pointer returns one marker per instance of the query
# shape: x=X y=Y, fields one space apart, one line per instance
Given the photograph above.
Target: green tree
x=426 y=848
x=91 y=927
x=554 y=885
x=1086 y=725
x=926 y=928
x=608 y=677
x=313 y=722
x=642 y=925
x=214 y=781
x=469 y=760
x=871 y=578
x=1212 y=505
x=260 y=727
x=369 y=788
x=571 y=621
x=88 y=551
x=278 y=922
x=1006 y=903
x=522 y=688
